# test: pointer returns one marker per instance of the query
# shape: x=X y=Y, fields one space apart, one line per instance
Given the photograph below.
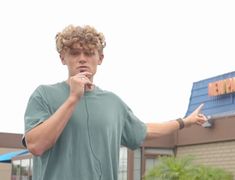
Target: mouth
x=83 y=68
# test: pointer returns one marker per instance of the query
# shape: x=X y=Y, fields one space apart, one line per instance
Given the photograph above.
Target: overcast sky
x=155 y=50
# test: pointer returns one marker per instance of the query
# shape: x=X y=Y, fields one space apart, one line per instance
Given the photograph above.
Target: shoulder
x=111 y=97
x=109 y=94
x=43 y=89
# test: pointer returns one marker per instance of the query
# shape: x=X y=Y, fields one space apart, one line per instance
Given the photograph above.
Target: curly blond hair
x=87 y=37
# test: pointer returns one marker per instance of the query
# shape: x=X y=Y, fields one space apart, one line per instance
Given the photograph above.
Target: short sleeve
x=37 y=111
x=134 y=131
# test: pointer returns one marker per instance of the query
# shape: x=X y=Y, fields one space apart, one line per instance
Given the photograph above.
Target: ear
x=101 y=57
x=62 y=58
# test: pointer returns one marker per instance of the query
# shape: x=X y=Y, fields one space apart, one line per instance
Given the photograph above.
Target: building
x=212 y=145
x=9 y=143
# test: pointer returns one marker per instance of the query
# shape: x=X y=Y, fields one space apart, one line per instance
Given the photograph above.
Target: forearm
x=159 y=129
x=44 y=136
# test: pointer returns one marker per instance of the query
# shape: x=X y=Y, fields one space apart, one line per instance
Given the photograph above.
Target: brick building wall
x=5 y=168
x=219 y=154
x=9 y=142
x=5 y=171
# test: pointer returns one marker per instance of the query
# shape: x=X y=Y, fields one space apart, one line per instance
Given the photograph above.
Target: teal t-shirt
x=88 y=148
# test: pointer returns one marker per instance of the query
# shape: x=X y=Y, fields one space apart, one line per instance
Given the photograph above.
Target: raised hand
x=196 y=117
x=78 y=83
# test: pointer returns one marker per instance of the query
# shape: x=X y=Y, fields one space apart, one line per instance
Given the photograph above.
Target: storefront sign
x=221 y=87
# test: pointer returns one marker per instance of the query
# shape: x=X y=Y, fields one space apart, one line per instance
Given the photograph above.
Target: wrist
x=187 y=122
x=181 y=123
x=73 y=99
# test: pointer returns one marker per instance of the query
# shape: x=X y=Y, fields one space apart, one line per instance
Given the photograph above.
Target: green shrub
x=172 y=168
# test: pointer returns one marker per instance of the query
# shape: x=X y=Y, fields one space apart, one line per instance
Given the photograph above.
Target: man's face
x=80 y=60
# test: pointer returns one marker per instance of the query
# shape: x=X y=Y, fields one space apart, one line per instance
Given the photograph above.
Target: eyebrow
x=76 y=49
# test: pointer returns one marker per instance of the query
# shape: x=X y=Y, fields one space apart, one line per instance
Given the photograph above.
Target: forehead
x=82 y=47
x=77 y=46
x=77 y=49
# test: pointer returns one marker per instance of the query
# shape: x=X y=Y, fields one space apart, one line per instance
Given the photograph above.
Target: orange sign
x=221 y=87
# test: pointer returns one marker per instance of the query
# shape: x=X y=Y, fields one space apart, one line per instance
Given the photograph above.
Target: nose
x=82 y=58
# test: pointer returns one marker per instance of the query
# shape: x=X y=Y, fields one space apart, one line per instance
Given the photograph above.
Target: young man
x=73 y=128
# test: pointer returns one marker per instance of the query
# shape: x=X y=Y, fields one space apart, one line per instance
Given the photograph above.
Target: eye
x=75 y=52
x=89 y=53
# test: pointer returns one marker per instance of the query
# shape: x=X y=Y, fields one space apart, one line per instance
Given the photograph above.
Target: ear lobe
x=101 y=59
x=62 y=59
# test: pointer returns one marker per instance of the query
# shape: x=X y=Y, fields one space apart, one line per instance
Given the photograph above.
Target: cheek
x=94 y=67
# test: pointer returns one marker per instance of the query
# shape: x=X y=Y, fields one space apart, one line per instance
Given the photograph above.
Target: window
x=122 y=172
x=22 y=169
x=15 y=170
x=25 y=169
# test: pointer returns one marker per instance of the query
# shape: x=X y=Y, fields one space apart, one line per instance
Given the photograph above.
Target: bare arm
x=44 y=136
x=159 y=129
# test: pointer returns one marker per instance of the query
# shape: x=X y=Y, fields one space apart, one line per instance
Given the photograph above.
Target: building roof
x=11 y=140
x=6 y=158
x=221 y=105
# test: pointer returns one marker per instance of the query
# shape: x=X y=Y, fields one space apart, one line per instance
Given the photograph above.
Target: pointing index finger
x=198 y=110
